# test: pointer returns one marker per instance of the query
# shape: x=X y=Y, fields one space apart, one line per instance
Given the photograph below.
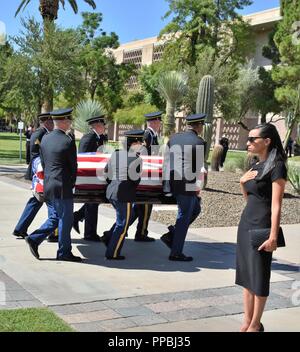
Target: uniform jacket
x=150 y=139
x=59 y=161
x=123 y=173
x=181 y=167
x=35 y=143
x=90 y=142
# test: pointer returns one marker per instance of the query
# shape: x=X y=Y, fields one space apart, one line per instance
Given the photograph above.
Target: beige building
x=147 y=51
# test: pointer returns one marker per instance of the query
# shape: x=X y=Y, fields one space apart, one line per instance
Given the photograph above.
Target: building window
x=133 y=57
x=158 y=51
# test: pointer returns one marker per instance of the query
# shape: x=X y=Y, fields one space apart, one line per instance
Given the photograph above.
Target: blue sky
x=130 y=19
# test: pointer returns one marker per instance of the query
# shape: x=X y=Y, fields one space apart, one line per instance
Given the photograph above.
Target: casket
x=91 y=184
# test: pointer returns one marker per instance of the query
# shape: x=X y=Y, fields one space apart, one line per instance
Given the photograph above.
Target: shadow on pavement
x=154 y=256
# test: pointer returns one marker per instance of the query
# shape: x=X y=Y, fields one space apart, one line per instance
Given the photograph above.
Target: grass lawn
x=231 y=155
x=31 y=320
x=10 y=148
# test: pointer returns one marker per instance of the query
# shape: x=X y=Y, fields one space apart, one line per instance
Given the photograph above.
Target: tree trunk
x=169 y=123
x=263 y=118
x=49 y=9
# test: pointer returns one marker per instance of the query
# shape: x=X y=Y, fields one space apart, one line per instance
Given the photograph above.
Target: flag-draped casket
x=91 y=184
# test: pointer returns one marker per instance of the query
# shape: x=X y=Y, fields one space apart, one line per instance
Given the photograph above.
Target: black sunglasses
x=252 y=139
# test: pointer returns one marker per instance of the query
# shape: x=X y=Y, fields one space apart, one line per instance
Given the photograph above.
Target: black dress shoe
x=180 y=258
x=118 y=257
x=52 y=238
x=106 y=237
x=70 y=258
x=167 y=239
x=261 y=328
x=76 y=225
x=95 y=238
x=33 y=247
x=144 y=239
x=20 y=234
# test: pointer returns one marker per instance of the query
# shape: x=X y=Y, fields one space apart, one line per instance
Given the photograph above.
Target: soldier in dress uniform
x=183 y=161
x=29 y=131
x=123 y=173
x=89 y=143
x=33 y=205
x=59 y=161
x=143 y=211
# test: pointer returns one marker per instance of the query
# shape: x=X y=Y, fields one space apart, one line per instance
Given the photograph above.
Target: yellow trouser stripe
x=56 y=232
x=145 y=219
x=125 y=230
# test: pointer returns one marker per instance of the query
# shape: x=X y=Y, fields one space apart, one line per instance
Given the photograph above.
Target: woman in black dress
x=263 y=188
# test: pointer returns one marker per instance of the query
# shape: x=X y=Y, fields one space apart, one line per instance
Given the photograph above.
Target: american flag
x=90 y=173
x=91 y=184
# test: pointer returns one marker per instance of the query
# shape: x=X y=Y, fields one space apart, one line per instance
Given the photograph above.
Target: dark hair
x=276 y=151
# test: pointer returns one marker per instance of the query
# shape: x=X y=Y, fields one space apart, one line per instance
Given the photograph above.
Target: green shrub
x=232 y=165
x=294 y=175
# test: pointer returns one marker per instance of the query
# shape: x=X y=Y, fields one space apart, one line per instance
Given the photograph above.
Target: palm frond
x=91 y=3
x=62 y=3
x=23 y=4
x=74 y=5
x=85 y=110
x=173 y=85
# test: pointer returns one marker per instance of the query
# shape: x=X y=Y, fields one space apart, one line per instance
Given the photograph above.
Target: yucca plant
x=85 y=110
x=172 y=86
x=294 y=175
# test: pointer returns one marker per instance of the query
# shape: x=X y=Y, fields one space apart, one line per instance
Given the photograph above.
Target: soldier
x=123 y=175
x=224 y=142
x=29 y=131
x=183 y=161
x=90 y=142
x=143 y=211
x=33 y=205
x=59 y=161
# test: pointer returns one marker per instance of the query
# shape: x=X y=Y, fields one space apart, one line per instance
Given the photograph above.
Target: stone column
x=147 y=56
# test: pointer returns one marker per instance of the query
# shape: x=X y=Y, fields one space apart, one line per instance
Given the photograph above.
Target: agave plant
x=294 y=175
x=85 y=110
x=172 y=86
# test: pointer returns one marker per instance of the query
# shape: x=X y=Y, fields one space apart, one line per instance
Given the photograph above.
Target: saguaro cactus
x=216 y=157
x=205 y=104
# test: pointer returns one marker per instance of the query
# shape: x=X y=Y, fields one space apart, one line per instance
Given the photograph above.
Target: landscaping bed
x=222 y=203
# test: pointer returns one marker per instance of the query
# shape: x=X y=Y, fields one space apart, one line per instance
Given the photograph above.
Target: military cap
x=134 y=135
x=44 y=116
x=63 y=114
x=196 y=118
x=153 y=116
x=95 y=119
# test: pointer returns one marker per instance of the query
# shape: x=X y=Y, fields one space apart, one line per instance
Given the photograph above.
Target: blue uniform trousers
x=188 y=210
x=61 y=216
x=31 y=209
x=124 y=215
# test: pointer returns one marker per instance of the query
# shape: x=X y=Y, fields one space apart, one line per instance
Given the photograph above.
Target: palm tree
x=172 y=86
x=85 y=110
x=49 y=11
x=49 y=8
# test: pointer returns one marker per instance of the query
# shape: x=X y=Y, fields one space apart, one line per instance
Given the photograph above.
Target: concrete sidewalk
x=146 y=292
